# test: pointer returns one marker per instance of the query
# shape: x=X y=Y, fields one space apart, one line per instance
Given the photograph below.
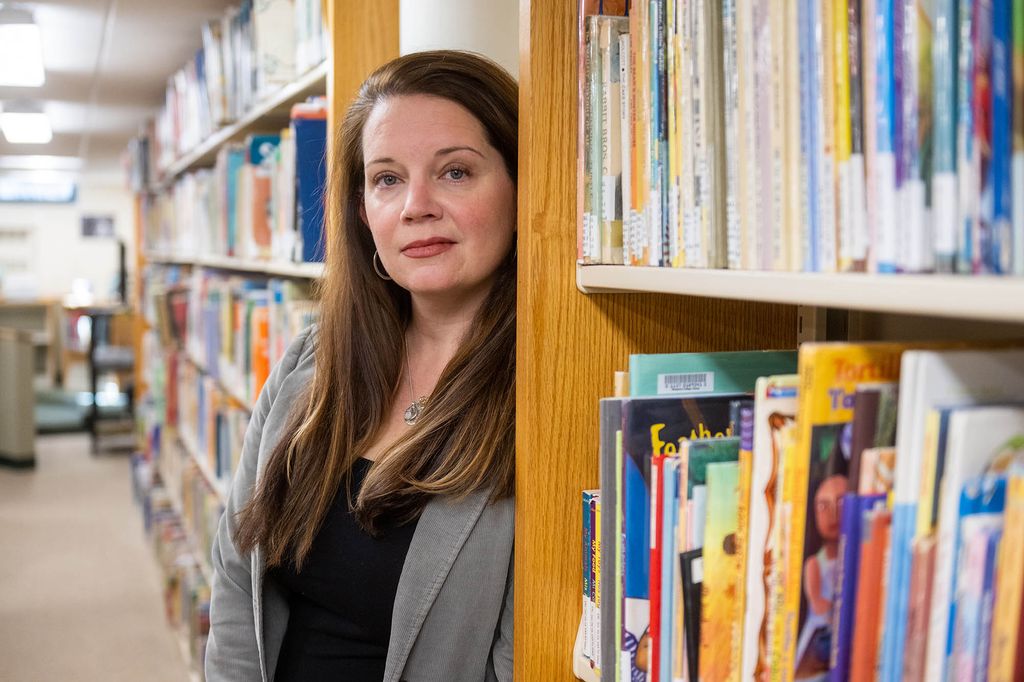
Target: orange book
x=870 y=595
x=259 y=352
x=1006 y=661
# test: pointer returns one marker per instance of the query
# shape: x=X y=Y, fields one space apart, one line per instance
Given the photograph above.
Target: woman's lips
x=427 y=248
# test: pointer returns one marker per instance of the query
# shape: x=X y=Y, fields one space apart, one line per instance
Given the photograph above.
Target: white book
x=274 y=44
x=975 y=437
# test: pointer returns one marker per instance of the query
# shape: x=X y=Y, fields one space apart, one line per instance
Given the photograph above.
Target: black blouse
x=340 y=604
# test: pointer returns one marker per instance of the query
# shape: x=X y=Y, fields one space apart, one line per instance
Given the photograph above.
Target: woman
x=368 y=534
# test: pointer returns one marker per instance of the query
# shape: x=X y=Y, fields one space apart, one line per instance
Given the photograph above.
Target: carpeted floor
x=80 y=595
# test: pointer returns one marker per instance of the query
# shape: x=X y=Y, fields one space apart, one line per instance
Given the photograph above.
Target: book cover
x=816 y=479
x=746 y=465
x=720 y=617
x=651 y=427
x=693 y=373
x=775 y=402
x=587 y=572
x=273 y=26
x=1006 y=661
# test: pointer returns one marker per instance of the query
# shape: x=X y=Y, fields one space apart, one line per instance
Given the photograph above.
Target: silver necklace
x=412 y=413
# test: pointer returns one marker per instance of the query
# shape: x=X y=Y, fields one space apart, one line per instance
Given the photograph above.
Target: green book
x=683 y=374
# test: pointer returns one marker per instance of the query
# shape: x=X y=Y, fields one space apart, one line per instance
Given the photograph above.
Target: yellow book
x=1005 y=652
x=843 y=140
x=926 y=497
x=816 y=478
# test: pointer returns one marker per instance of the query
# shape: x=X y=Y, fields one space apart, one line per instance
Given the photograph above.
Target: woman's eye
x=457 y=174
x=387 y=180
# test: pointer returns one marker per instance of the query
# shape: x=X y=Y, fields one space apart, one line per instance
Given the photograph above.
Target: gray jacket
x=452 y=619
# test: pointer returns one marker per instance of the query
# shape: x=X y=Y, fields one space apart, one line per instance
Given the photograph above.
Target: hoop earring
x=381 y=272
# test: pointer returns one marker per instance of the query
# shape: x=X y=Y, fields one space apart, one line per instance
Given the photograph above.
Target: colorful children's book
x=1006 y=662
x=721 y=594
x=965 y=656
x=870 y=593
x=694 y=373
x=976 y=438
x=587 y=556
x=775 y=399
x=816 y=479
x=932 y=378
x=651 y=427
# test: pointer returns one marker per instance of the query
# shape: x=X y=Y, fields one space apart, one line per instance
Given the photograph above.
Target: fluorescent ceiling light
x=21 y=49
x=25 y=128
x=40 y=162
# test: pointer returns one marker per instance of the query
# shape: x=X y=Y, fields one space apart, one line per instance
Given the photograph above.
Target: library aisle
x=80 y=595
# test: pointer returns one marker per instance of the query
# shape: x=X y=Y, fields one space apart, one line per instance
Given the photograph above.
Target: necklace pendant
x=412 y=413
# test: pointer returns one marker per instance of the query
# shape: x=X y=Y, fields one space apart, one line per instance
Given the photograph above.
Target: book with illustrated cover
x=815 y=481
x=651 y=427
x=965 y=653
x=775 y=402
x=721 y=603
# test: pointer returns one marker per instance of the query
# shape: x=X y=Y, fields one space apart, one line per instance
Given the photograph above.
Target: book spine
x=944 y=195
x=987 y=606
x=1017 y=173
x=586 y=558
x=826 y=257
x=870 y=129
x=921 y=579
x=809 y=157
x=592 y=237
x=673 y=64
x=748 y=186
x=846 y=590
x=746 y=467
x=1006 y=662
x=669 y=560
x=595 y=575
x=966 y=161
x=843 y=134
x=858 y=240
x=731 y=99
x=981 y=96
x=998 y=255
x=655 y=589
x=626 y=139
x=884 y=167
x=611 y=146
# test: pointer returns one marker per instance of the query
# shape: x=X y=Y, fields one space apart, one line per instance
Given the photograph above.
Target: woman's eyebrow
x=449 y=150
x=383 y=159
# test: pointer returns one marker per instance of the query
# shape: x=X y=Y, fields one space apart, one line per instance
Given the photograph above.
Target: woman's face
x=437 y=197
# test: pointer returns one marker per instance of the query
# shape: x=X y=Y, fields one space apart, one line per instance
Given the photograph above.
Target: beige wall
x=59 y=254
x=490 y=28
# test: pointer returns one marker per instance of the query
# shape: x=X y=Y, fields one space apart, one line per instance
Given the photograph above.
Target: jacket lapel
x=440 y=533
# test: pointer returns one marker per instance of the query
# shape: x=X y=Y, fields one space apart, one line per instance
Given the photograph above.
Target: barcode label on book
x=694 y=382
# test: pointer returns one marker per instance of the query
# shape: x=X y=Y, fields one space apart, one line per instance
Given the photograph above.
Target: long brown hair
x=465 y=440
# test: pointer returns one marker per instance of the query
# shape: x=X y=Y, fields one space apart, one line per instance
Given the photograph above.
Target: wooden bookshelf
x=992 y=298
x=269 y=268
x=270 y=114
x=569 y=345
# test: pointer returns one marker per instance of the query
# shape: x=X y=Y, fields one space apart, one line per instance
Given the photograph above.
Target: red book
x=657 y=525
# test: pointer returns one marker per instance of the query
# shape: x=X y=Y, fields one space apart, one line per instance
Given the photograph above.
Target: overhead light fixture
x=21 y=48
x=25 y=124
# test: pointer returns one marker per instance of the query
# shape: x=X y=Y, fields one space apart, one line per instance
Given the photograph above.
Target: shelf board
x=269 y=113
x=241 y=402
x=998 y=299
x=271 y=268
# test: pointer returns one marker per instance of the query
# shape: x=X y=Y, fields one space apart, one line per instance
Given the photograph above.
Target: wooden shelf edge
x=998 y=299
x=279 y=269
x=297 y=91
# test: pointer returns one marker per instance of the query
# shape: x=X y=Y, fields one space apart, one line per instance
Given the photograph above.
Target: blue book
x=669 y=563
x=998 y=253
x=683 y=374
x=309 y=125
x=885 y=136
x=988 y=598
x=854 y=508
x=235 y=160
